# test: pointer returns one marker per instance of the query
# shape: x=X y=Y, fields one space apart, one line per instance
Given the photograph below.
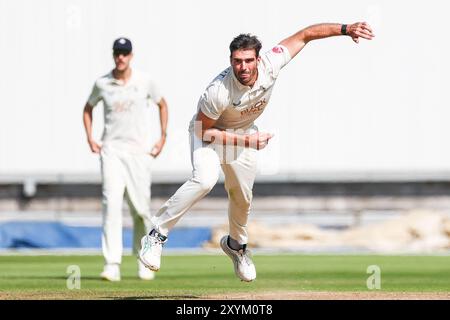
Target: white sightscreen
x=380 y=106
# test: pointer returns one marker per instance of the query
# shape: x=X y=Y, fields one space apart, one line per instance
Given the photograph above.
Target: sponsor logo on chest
x=258 y=107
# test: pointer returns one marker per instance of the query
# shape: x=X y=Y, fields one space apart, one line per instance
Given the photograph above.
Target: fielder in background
x=223 y=134
x=126 y=153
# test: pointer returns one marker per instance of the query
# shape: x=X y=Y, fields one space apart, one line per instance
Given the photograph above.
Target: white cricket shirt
x=236 y=106
x=126 y=106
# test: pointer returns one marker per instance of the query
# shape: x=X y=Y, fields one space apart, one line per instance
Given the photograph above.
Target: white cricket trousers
x=239 y=166
x=124 y=175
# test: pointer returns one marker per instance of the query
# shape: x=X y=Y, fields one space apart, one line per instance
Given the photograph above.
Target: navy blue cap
x=122 y=44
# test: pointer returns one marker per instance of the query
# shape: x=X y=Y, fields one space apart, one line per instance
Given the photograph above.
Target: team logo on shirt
x=122 y=106
x=256 y=108
x=277 y=49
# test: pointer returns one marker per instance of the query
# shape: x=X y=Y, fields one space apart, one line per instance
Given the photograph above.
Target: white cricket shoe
x=151 y=250
x=111 y=272
x=243 y=264
x=144 y=273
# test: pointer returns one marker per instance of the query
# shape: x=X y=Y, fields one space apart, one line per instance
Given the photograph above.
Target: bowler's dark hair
x=247 y=42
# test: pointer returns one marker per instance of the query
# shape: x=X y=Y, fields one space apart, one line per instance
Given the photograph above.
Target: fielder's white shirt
x=236 y=106
x=126 y=106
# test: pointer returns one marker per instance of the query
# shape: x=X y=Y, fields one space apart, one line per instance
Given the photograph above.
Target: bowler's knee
x=206 y=183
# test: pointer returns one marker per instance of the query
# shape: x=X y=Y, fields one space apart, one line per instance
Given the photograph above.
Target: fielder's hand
x=360 y=30
x=259 y=140
x=157 y=148
x=95 y=148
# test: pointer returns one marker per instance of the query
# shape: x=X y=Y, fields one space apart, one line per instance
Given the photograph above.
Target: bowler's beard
x=250 y=78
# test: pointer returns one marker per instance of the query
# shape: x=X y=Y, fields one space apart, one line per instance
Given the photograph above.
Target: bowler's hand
x=95 y=148
x=259 y=140
x=360 y=30
x=157 y=148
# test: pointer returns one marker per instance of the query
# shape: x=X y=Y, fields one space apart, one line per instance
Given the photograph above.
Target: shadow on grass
x=89 y=278
x=160 y=297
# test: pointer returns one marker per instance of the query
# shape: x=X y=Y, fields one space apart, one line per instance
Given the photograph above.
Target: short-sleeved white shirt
x=126 y=110
x=236 y=106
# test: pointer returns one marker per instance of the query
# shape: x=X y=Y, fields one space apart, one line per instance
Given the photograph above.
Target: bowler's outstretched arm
x=297 y=42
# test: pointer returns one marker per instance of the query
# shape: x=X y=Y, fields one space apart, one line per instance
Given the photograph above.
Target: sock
x=233 y=244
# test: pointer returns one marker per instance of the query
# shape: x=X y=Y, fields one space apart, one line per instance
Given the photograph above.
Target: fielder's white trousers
x=124 y=175
x=239 y=166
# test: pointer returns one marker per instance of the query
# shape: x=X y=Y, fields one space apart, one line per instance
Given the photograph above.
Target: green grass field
x=197 y=276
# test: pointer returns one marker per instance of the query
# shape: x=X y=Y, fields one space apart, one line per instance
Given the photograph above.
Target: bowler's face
x=122 y=59
x=245 y=66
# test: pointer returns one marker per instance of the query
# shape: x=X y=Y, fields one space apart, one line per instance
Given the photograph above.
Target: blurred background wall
x=376 y=109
